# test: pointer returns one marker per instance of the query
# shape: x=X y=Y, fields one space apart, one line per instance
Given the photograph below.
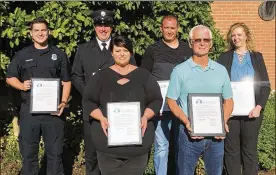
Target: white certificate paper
x=164 y=89
x=124 y=120
x=44 y=95
x=205 y=113
x=243 y=97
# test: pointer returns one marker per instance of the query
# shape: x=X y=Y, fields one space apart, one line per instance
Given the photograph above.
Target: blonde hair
x=249 y=41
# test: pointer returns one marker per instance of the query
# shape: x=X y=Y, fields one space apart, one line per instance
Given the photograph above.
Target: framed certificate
x=206 y=114
x=243 y=97
x=164 y=88
x=45 y=95
x=124 y=120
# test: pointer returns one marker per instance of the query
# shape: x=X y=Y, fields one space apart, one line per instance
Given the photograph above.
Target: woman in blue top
x=242 y=64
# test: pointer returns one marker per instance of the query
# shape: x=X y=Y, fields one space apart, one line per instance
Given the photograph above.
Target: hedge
x=74 y=149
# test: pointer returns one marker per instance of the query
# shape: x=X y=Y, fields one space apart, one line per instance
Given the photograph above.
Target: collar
x=32 y=49
x=192 y=64
x=162 y=41
x=100 y=43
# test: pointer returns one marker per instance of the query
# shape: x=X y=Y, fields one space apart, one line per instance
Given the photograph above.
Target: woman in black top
x=121 y=82
x=242 y=63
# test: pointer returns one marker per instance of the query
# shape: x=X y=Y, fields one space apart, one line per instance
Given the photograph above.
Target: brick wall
x=227 y=13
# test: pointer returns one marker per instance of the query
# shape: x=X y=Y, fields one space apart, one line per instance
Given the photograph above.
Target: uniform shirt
x=107 y=43
x=160 y=59
x=103 y=88
x=189 y=77
x=39 y=63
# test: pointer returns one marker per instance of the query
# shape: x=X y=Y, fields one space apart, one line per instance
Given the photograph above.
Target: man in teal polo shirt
x=199 y=74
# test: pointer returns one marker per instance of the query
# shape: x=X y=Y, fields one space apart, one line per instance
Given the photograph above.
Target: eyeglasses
x=199 y=40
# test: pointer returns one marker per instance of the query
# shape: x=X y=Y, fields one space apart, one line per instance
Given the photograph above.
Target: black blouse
x=103 y=88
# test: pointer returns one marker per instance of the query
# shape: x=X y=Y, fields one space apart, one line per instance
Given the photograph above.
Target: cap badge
x=103 y=13
x=54 y=56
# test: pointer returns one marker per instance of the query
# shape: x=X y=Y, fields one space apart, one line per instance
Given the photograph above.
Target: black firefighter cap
x=103 y=17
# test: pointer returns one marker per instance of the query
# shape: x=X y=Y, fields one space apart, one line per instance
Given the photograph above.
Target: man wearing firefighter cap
x=90 y=58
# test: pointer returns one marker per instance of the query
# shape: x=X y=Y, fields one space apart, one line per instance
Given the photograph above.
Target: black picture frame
x=135 y=105
x=32 y=95
x=191 y=116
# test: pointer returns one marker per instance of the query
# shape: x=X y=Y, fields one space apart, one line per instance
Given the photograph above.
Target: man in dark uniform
x=40 y=60
x=90 y=58
x=160 y=59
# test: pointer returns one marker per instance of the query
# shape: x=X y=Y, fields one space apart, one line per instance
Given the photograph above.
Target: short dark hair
x=121 y=41
x=39 y=20
x=169 y=17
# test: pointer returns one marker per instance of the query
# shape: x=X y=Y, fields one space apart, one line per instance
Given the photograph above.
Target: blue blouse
x=242 y=71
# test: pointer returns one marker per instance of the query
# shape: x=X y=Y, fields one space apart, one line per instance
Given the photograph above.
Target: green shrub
x=11 y=152
x=71 y=24
x=150 y=168
x=11 y=159
x=266 y=143
x=266 y=146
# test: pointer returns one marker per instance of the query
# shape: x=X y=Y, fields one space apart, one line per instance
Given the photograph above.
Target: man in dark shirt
x=40 y=60
x=90 y=58
x=160 y=59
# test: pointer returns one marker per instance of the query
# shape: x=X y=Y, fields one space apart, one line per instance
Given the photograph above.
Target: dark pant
x=91 y=162
x=241 y=145
x=122 y=165
x=31 y=129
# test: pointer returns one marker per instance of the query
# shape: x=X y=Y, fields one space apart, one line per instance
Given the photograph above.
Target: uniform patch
x=54 y=56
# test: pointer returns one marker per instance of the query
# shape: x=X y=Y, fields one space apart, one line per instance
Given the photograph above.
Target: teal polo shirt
x=189 y=77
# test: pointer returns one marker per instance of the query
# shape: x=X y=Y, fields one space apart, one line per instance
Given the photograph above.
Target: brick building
x=225 y=13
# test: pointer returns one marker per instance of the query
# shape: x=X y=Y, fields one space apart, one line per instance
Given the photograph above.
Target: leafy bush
x=266 y=143
x=71 y=23
x=150 y=168
x=11 y=157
